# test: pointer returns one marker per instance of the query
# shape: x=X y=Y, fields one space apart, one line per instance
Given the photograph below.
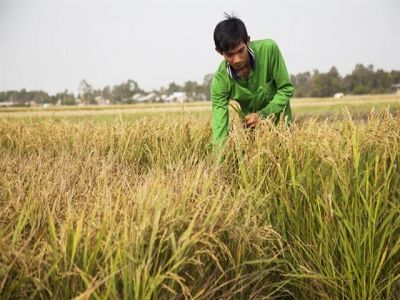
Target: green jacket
x=267 y=91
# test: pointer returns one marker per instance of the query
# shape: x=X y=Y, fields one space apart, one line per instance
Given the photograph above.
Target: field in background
x=138 y=206
x=302 y=107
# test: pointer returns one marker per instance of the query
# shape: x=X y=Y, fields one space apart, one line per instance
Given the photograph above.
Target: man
x=253 y=73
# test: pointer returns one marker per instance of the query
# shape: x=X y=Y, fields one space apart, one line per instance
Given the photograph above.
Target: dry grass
x=143 y=210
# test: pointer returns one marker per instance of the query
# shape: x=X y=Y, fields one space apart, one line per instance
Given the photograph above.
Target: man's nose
x=236 y=59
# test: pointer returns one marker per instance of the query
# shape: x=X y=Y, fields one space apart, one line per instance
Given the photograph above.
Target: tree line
x=118 y=94
x=362 y=80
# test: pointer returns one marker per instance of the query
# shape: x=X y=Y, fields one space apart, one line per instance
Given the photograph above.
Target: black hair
x=229 y=33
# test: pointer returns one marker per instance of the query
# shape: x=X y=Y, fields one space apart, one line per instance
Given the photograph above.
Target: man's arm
x=220 y=112
x=282 y=80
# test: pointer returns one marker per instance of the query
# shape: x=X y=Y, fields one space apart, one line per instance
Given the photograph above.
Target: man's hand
x=251 y=120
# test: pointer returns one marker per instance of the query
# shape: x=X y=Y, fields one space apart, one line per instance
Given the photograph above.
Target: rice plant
x=143 y=210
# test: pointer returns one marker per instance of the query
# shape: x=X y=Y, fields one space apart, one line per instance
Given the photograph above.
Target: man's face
x=237 y=57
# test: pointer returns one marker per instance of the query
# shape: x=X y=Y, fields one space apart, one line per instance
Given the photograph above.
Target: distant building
x=397 y=87
x=101 y=101
x=6 y=104
x=147 y=98
x=137 y=96
x=338 y=95
x=176 y=97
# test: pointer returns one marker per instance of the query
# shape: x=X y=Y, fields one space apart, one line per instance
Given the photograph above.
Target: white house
x=338 y=95
x=147 y=98
x=397 y=87
x=6 y=104
x=176 y=97
x=101 y=101
x=137 y=96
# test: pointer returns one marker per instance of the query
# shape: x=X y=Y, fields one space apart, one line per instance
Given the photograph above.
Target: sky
x=52 y=45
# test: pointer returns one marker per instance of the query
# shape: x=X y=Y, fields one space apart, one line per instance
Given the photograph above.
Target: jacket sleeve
x=283 y=84
x=220 y=111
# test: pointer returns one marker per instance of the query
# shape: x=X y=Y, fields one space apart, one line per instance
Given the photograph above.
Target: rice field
x=143 y=208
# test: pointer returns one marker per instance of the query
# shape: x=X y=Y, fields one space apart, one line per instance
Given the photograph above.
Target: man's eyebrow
x=241 y=49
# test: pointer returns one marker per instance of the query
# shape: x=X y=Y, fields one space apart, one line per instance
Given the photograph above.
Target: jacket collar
x=231 y=71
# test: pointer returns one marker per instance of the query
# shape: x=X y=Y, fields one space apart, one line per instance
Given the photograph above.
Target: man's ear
x=248 y=40
x=216 y=49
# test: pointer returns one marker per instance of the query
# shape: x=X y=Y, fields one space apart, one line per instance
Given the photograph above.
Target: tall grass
x=143 y=210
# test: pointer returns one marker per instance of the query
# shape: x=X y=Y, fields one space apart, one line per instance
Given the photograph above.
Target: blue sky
x=53 y=45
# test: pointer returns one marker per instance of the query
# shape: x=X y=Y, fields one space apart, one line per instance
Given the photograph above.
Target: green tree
x=326 y=84
x=86 y=93
x=64 y=98
x=395 y=75
x=302 y=84
x=106 y=92
x=191 y=89
x=173 y=88
x=125 y=91
x=361 y=80
x=207 y=85
x=40 y=97
x=362 y=90
x=382 y=82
